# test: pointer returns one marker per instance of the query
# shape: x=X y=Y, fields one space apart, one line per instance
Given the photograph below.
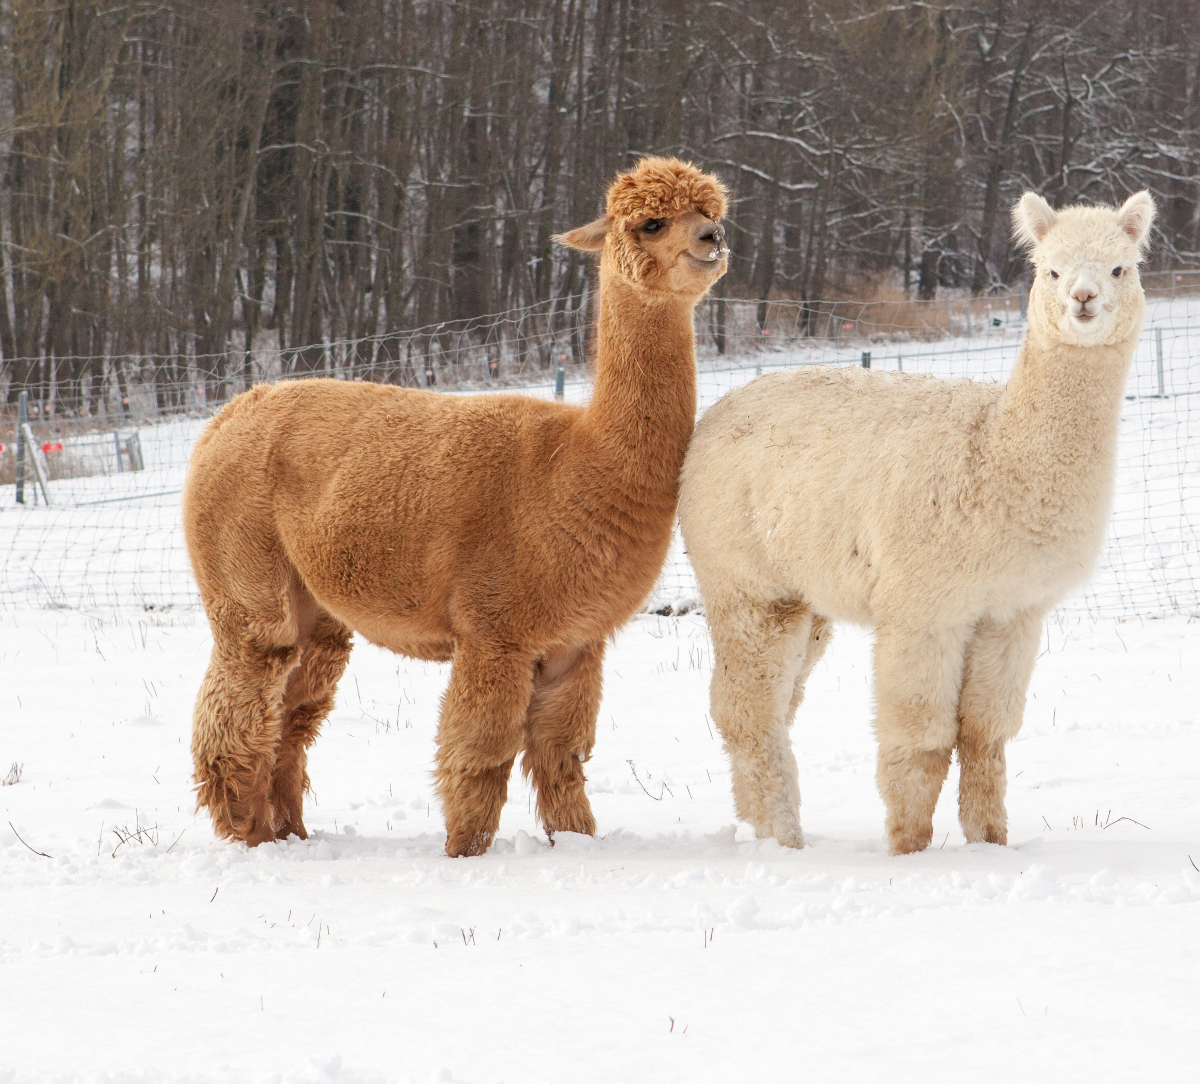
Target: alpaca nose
x=1084 y=291
x=712 y=233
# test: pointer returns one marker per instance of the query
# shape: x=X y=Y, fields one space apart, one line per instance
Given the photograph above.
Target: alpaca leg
x=760 y=659
x=235 y=735
x=918 y=674
x=819 y=636
x=479 y=735
x=560 y=729
x=999 y=664
x=324 y=653
x=818 y=640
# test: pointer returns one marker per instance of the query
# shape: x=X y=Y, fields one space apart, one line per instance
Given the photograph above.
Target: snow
x=673 y=947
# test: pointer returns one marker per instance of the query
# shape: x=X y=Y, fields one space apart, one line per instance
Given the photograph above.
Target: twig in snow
x=1046 y=822
x=1194 y=866
x=1109 y=824
x=640 y=783
x=14 y=775
x=140 y=833
x=214 y=895
x=18 y=835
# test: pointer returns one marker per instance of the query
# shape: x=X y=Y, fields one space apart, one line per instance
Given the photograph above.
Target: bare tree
x=181 y=182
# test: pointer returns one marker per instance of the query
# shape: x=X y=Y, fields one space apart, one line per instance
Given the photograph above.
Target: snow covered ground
x=673 y=948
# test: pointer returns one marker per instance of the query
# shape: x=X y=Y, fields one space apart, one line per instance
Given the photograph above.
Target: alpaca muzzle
x=716 y=235
x=1087 y=297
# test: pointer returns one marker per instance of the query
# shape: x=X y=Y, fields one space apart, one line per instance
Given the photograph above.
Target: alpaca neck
x=1054 y=435
x=643 y=406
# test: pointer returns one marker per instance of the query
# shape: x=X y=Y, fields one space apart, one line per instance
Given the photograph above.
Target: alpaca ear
x=1136 y=216
x=589 y=238
x=1032 y=219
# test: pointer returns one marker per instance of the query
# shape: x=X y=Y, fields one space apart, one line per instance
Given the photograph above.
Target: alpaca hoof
x=251 y=830
x=257 y=832
x=468 y=844
x=902 y=841
x=572 y=816
x=789 y=835
x=986 y=833
x=584 y=826
x=786 y=834
x=292 y=828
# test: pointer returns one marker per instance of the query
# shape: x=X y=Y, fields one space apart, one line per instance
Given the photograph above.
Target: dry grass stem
x=18 y=835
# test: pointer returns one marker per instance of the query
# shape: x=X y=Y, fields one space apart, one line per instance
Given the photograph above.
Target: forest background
x=179 y=179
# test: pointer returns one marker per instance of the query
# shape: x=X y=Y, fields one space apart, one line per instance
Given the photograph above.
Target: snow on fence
x=112 y=536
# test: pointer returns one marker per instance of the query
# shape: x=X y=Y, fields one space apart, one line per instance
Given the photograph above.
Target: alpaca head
x=1086 y=290
x=662 y=231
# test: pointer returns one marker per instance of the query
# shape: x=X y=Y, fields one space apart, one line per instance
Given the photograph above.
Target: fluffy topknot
x=1033 y=218
x=663 y=188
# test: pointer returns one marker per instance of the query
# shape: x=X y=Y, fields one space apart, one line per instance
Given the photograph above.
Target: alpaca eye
x=1054 y=274
x=1117 y=272
x=654 y=225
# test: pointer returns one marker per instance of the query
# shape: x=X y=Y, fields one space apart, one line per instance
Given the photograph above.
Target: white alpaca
x=947 y=515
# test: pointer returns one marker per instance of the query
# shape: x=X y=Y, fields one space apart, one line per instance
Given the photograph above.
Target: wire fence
x=70 y=395
x=111 y=536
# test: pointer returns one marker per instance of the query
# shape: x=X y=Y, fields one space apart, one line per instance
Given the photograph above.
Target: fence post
x=40 y=476
x=866 y=359
x=134 y=446
x=560 y=383
x=899 y=364
x=22 y=421
x=1159 y=352
x=117 y=442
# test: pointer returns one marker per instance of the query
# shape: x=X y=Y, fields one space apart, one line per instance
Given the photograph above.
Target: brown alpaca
x=508 y=534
